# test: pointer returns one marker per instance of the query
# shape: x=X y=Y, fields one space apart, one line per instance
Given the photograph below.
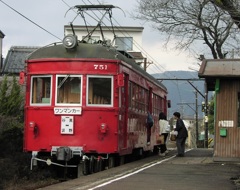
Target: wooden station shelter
x=223 y=77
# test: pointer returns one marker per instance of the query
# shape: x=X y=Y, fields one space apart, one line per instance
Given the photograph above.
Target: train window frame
x=45 y=101
x=92 y=99
x=72 y=90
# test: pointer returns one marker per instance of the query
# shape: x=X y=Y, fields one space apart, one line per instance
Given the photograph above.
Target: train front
x=72 y=102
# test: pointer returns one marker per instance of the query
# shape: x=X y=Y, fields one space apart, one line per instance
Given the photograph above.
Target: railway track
x=87 y=181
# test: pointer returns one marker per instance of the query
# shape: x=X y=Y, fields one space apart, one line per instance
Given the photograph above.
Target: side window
x=138 y=98
x=157 y=104
x=68 y=88
x=129 y=94
x=100 y=91
x=41 y=90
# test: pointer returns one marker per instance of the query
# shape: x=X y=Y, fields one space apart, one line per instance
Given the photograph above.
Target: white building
x=127 y=39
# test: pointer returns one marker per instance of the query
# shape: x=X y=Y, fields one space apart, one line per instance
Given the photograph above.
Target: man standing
x=182 y=134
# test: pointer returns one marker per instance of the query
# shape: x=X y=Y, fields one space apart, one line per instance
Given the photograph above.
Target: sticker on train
x=72 y=111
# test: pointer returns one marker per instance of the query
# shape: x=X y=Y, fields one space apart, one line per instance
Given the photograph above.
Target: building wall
x=1 y=56
x=0 y=46
x=134 y=32
x=227 y=147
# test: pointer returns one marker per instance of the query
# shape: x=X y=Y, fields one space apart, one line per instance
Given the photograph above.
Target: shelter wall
x=226 y=120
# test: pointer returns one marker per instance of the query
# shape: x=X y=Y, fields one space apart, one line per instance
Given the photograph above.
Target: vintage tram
x=86 y=105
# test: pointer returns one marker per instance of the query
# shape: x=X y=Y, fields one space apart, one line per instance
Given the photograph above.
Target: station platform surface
x=195 y=171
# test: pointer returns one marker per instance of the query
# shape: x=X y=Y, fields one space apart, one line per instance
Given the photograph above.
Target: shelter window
x=69 y=88
x=41 y=90
x=100 y=91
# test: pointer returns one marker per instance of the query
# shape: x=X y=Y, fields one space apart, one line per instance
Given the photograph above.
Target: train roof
x=94 y=51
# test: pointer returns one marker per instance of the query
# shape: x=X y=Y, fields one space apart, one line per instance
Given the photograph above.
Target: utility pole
x=145 y=64
x=196 y=94
x=206 y=116
x=196 y=113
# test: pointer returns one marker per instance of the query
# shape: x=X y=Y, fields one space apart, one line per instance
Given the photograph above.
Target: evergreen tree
x=3 y=96
x=15 y=99
x=211 y=116
x=11 y=99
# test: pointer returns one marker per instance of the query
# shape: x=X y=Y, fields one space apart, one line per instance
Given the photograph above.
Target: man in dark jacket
x=181 y=136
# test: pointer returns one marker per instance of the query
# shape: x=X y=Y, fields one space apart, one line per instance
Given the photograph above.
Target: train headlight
x=32 y=124
x=70 y=41
x=103 y=128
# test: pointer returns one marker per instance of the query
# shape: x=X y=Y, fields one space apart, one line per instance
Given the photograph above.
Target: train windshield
x=69 y=89
x=100 y=91
x=41 y=90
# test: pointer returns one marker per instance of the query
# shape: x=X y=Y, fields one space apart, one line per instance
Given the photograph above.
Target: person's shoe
x=148 y=143
x=179 y=155
x=166 y=152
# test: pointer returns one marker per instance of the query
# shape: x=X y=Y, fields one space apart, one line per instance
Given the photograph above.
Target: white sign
x=225 y=123
x=67 y=125
x=67 y=111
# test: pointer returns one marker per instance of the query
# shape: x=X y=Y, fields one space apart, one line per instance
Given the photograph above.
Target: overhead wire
x=30 y=20
x=136 y=44
x=141 y=49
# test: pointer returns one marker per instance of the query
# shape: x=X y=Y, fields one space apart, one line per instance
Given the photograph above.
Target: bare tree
x=232 y=7
x=189 y=22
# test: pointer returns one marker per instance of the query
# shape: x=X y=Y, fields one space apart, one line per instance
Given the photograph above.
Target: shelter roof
x=212 y=69
x=220 y=68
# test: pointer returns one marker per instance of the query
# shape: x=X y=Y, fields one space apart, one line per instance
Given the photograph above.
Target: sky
x=50 y=15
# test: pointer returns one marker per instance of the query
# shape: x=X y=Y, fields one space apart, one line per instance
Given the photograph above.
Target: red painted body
x=116 y=128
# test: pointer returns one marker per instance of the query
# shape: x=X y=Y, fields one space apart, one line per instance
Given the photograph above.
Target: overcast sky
x=50 y=15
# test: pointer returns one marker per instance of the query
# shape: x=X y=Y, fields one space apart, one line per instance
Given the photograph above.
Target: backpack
x=149 y=120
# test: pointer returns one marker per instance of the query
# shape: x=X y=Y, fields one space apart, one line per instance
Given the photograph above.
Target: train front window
x=41 y=90
x=100 y=91
x=68 y=88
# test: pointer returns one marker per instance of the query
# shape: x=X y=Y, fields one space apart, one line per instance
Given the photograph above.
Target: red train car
x=88 y=104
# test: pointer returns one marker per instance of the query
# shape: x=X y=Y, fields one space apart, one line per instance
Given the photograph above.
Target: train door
x=150 y=105
x=123 y=113
x=150 y=99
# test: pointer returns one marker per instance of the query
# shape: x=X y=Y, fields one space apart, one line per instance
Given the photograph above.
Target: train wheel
x=111 y=162
x=85 y=167
x=96 y=168
x=99 y=165
x=122 y=160
x=91 y=164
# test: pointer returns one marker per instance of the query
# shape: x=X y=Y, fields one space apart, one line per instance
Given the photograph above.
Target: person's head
x=176 y=114
x=162 y=116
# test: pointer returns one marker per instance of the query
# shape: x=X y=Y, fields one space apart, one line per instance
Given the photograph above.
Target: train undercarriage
x=69 y=165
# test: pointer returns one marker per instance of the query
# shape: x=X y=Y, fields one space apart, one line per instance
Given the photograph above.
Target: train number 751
x=100 y=67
